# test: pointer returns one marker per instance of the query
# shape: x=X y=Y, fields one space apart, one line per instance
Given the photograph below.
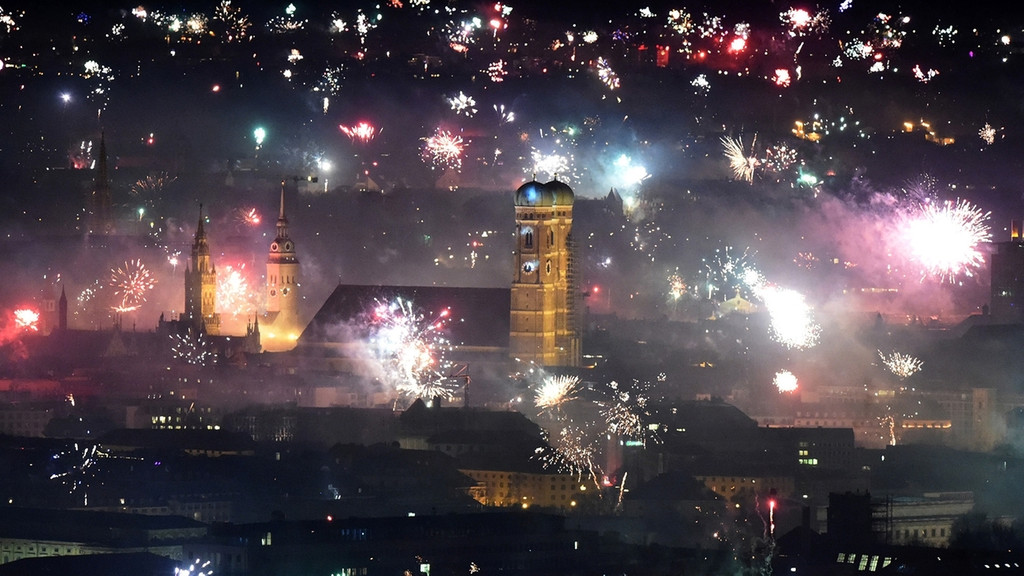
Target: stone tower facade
x=281 y=324
x=201 y=285
x=544 y=322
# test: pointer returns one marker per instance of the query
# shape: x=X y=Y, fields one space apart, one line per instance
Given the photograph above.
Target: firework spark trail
x=573 y=452
x=26 y=319
x=944 y=237
x=623 y=412
x=152 y=184
x=131 y=283
x=902 y=365
x=554 y=392
x=196 y=568
x=727 y=271
x=741 y=164
x=549 y=165
x=360 y=133
x=890 y=425
x=15 y=325
x=411 y=349
x=190 y=347
x=792 y=320
x=74 y=468
x=248 y=217
x=605 y=73
x=463 y=104
x=791 y=317
x=443 y=150
x=676 y=287
x=234 y=293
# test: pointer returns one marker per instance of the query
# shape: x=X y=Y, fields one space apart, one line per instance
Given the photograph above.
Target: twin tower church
x=536 y=320
x=275 y=330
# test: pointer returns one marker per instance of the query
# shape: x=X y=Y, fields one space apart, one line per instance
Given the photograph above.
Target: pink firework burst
x=360 y=133
x=443 y=150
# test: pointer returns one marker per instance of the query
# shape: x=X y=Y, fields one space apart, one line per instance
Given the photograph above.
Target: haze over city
x=780 y=209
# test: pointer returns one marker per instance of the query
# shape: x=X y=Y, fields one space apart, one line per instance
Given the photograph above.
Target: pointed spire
x=282 y=220
x=101 y=166
x=281 y=216
x=200 y=232
x=101 y=222
x=62 y=310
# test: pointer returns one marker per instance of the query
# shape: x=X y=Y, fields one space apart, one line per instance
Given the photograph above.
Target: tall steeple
x=100 y=219
x=201 y=284
x=62 y=311
x=281 y=324
x=282 y=220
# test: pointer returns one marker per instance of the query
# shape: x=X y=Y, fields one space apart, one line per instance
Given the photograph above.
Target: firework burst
x=234 y=293
x=360 y=133
x=74 y=468
x=727 y=272
x=573 y=452
x=902 y=365
x=443 y=150
x=191 y=348
x=554 y=392
x=131 y=282
x=249 y=217
x=624 y=410
x=196 y=568
x=410 y=348
x=463 y=104
x=605 y=73
x=740 y=162
x=676 y=287
x=792 y=320
x=785 y=381
x=152 y=184
x=26 y=320
x=944 y=238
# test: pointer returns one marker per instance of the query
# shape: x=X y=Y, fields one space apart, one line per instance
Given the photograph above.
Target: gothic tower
x=62 y=311
x=99 y=219
x=281 y=324
x=201 y=285
x=544 y=323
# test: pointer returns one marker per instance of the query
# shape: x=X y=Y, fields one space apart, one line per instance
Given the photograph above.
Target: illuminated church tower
x=201 y=285
x=544 y=322
x=281 y=324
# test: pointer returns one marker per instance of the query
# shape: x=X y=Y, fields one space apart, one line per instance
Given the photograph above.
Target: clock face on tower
x=274 y=247
x=287 y=246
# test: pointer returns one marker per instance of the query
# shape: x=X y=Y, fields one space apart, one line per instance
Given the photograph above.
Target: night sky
x=581 y=96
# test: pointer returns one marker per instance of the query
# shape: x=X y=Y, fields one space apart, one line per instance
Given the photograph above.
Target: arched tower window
x=528 y=238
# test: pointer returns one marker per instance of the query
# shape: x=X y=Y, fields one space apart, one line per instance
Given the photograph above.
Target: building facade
x=544 y=318
x=281 y=326
x=201 y=285
x=1007 y=282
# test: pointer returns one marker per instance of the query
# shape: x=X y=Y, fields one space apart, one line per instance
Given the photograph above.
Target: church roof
x=478 y=316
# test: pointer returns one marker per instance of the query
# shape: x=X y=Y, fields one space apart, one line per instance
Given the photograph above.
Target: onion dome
x=561 y=192
x=534 y=193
